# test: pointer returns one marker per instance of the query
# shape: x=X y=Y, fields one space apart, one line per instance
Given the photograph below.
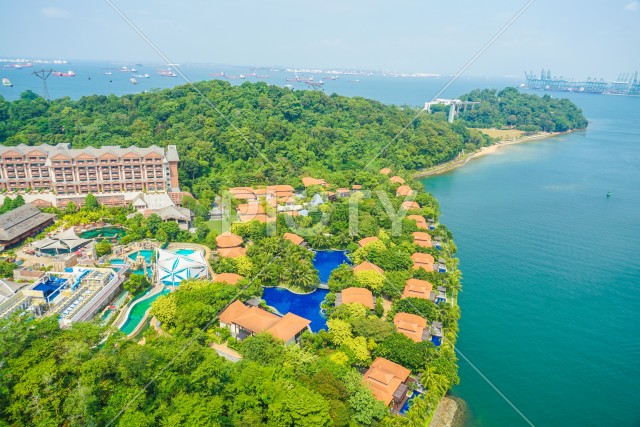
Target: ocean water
x=551 y=265
x=552 y=273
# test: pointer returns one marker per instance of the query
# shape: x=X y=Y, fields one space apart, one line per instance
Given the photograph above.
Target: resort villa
x=396 y=180
x=367 y=240
x=367 y=266
x=230 y=245
x=410 y=206
x=385 y=171
x=22 y=222
x=416 y=288
x=422 y=239
x=404 y=190
x=412 y=326
x=388 y=382
x=244 y=321
x=421 y=260
x=356 y=295
x=294 y=238
x=309 y=181
x=420 y=221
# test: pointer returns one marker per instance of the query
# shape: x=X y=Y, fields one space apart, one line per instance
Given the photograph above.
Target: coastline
x=462 y=160
x=450 y=412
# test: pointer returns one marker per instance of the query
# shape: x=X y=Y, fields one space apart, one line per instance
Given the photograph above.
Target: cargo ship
x=627 y=84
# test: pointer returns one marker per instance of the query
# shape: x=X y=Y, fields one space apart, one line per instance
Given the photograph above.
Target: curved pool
x=327 y=261
x=137 y=313
x=104 y=232
x=305 y=305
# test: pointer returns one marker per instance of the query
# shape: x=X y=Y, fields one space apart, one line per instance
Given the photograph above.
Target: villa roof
x=228 y=240
x=421 y=260
x=367 y=266
x=229 y=278
x=411 y=325
x=409 y=206
x=416 y=288
x=234 y=310
x=175 y=213
x=358 y=295
x=367 y=240
x=403 y=190
x=356 y=187
x=385 y=171
x=288 y=326
x=21 y=220
x=396 y=180
x=342 y=190
x=421 y=238
x=256 y=320
x=234 y=252
x=308 y=181
x=384 y=378
x=293 y=238
x=420 y=221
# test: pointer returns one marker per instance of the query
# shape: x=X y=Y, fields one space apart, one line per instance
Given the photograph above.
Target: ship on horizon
x=69 y=73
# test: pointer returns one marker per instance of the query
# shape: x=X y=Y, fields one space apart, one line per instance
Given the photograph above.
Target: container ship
x=627 y=84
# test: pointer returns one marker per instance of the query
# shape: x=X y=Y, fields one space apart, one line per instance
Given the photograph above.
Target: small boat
x=133 y=80
x=142 y=76
x=6 y=82
x=608 y=193
x=108 y=73
x=133 y=70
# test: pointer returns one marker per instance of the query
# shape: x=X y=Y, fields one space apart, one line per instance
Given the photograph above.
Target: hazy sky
x=573 y=38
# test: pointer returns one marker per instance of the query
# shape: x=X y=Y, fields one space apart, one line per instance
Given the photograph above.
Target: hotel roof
x=229 y=278
x=308 y=181
x=21 y=220
x=358 y=295
x=367 y=266
x=228 y=240
x=421 y=260
x=367 y=240
x=288 y=326
x=384 y=377
x=404 y=190
x=293 y=238
x=415 y=288
x=256 y=320
x=421 y=238
x=410 y=325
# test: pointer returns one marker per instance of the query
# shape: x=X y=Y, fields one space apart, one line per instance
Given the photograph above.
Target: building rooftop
x=234 y=252
x=396 y=180
x=421 y=260
x=385 y=171
x=308 y=181
x=408 y=205
x=420 y=221
x=21 y=220
x=228 y=240
x=229 y=278
x=384 y=377
x=358 y=295
x=256 y=320
x=415 y=288
x=293 y=238
x=410 y=325
x=367 y=266
x=367 y=240
x=288 y=327
x=421 y=238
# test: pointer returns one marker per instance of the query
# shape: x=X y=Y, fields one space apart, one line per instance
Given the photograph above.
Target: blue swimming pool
x=407 y=404
x=184 y=251
x=146 y=253
x=307 y=305
x=327 y=261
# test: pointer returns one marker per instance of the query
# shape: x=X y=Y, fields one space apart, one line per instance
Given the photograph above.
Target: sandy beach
x=463 y=159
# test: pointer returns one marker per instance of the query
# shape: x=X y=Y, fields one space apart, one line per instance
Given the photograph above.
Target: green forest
x=512 y=108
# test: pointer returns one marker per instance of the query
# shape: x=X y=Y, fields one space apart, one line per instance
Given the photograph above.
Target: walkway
x=224 y=351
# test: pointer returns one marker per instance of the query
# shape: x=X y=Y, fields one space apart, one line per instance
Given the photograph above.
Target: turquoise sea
x=551 y=265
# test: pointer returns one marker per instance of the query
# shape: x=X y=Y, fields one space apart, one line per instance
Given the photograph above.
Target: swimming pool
x=327 y=261
x=307 y=305
x=407 y=404
x=105 y=232
x=146 y=253
x=184 y=251
x=117 y=261
x=137 y=313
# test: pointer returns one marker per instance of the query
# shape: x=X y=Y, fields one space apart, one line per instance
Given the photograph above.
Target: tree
x=6 y=269
x=162 y=235
x=136 y=284
x=18 y=201
x=70 y=208
x=103 y=247
x=91 y=202
x=171 y=229
x=153 y=222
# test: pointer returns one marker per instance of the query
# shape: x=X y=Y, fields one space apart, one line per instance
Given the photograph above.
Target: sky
x=573 y=38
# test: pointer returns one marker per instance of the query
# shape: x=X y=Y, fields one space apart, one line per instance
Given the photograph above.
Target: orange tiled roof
x=421 y=260
x=359 y=295
x=367 y=266
x=229 y=278
x=235 y=252
x=384 y=377
x=416 y=288
x=356 y=187
x=409 y=206
x=421 y=238
x=367 y=240
x=234 y=310
x=288 y=326
x=293 y=238
x=256 y=319
x=404 y=190
x=228 y=240
x=396 y=180
x=385 y=171
x=410 y=325
x=420 y=221
x=307 y=181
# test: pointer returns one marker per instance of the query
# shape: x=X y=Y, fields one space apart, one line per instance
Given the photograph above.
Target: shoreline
x=462 y=160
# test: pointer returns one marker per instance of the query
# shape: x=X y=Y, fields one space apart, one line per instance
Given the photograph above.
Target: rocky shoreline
x=451 y=412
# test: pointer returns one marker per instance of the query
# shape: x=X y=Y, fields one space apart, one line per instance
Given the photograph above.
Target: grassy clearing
x=503 y=134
